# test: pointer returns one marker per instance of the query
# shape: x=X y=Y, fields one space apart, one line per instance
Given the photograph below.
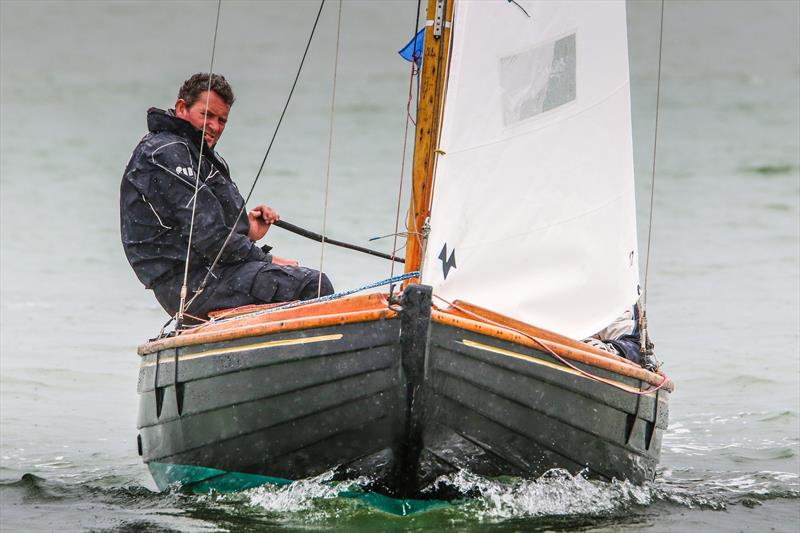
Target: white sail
x=533 y=211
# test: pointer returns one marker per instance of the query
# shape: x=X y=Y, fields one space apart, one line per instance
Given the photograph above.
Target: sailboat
x=521 y=241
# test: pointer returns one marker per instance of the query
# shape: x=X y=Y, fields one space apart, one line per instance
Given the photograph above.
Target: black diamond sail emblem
x=447 y=262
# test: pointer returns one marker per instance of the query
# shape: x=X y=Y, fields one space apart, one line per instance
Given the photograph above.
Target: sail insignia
x=447 y=262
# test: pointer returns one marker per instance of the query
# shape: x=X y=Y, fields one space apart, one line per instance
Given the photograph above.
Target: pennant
x=413 y=50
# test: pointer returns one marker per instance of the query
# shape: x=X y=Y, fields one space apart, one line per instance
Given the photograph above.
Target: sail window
x=538 y=80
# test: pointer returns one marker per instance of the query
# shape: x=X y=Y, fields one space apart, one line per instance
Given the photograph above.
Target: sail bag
x=533 y=210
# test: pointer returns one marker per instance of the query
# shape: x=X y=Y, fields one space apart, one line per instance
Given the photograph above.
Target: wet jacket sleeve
x=171 y=189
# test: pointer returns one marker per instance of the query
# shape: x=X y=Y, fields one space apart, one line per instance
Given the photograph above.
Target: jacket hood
x=159 y=120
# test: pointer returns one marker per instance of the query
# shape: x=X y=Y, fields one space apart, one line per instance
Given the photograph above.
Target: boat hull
x=400 y=401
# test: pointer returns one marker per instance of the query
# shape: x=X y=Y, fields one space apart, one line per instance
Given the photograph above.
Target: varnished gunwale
x=371 y=307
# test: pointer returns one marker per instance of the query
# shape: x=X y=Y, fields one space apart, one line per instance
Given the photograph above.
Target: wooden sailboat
x=404 y=389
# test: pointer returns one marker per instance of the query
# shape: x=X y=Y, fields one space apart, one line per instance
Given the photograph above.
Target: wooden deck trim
x=371 y=307
x=359 y=302
x=265 y=325
x=572 y=352
x=539 y=333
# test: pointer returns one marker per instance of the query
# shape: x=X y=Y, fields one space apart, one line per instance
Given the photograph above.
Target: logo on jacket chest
x=186 y=171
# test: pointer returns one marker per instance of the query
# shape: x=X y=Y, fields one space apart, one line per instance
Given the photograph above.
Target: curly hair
x=192 y=88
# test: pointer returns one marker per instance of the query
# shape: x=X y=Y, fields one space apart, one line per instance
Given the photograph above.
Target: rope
x=405 y=137
x=643 y=315
x=185 y=286
x=330 y=151
x=263 y=161
x=556 y=355
x=291 y=305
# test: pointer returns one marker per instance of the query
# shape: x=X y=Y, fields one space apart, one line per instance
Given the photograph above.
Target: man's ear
x=181 y=109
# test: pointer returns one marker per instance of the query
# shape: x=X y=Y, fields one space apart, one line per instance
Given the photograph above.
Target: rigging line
x=263 y=161
x=402 y=167
x=330 y=151
x=185 y=286
x=562 y=359
x=405 y=138
x=299 y=303
x=653 y=173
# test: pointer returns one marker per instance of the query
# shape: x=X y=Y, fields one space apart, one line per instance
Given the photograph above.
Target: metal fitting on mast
x=438 y=19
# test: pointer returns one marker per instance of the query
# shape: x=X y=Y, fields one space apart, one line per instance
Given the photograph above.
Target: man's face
x=196 y=113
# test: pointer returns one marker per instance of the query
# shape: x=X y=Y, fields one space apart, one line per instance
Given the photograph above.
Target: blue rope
x=334 y=296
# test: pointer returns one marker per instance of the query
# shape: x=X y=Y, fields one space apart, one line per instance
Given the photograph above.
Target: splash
x=301 y=495
x=556 y=493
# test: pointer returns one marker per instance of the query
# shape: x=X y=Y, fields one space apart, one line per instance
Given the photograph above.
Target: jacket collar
x=159 y=120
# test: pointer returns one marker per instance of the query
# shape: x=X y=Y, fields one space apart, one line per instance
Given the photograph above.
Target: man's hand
x=280 y=261
x=261 y=218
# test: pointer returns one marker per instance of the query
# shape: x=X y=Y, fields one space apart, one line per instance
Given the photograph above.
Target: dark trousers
x=253 y=282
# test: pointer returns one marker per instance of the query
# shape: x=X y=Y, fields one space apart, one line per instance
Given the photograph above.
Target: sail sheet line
x=541 y=343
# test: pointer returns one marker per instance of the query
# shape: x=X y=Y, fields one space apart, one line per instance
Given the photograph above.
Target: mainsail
x=533 y=211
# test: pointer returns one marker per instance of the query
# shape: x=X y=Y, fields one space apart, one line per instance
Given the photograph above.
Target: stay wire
x=645 y=343
x=655 y=151
x=330 y=152
x=185 y=285
x=405 y=140
x=263 y=161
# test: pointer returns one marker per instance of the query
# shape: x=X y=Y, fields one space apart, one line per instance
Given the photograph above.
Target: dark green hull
x=401 y=401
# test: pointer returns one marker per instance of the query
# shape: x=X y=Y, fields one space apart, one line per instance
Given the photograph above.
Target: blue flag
x=413 y=50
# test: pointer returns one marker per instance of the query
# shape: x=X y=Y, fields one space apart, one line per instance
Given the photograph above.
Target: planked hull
x=401 y=399
x=495 y=408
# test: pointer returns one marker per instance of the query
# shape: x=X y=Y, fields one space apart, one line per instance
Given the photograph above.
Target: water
x=75 y=81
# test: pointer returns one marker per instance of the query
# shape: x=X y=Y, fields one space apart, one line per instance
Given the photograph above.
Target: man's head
x=191 y=104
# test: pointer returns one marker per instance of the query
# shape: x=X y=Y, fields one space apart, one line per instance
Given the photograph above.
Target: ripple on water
x=771 y=169
x=556 y=499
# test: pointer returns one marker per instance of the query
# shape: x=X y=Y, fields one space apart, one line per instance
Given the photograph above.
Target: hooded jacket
x=156 y=205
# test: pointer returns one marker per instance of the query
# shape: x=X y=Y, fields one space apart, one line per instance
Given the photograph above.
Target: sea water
x=75 y=81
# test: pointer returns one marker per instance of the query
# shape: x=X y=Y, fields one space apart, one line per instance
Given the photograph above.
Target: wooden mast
x=429 y=113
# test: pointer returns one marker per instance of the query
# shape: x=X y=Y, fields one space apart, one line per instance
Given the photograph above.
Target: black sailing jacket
x=156 y=205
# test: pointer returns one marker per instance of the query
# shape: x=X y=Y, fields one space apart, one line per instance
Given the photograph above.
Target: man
x=156 y=200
